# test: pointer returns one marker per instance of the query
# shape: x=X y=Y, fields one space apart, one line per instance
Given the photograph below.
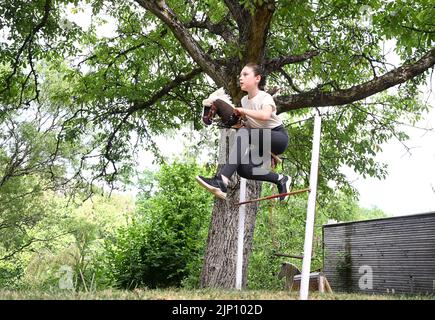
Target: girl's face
x=248 y=80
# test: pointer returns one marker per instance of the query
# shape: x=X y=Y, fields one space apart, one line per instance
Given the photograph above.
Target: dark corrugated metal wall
x=393 y=255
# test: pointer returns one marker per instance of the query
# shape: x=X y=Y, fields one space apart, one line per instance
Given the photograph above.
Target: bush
x=163 y=246
x=10 y=274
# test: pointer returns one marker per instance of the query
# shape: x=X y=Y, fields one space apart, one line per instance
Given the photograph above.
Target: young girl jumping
x=259 y=111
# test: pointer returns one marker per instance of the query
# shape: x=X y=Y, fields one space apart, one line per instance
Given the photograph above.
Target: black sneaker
x=215 y=185
x=284 y=186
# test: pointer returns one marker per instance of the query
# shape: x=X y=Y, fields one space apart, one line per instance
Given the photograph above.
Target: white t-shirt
x=260 y=100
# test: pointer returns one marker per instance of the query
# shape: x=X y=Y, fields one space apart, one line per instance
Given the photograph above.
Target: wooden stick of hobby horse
x=276 y=196
x=277 y=159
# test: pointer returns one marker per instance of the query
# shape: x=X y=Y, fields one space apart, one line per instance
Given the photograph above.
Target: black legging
x=243 y=161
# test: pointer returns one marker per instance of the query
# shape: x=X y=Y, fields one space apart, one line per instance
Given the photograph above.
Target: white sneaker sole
x=287 y=187
x=216 y=191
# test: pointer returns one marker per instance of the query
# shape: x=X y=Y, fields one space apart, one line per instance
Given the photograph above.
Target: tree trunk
x=219 y=268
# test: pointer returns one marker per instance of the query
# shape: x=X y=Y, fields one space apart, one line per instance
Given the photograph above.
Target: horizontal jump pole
x=276 y=196
x=288 y=255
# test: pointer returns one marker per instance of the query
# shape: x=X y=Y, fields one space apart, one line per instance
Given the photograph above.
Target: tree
x=25 y=182
x=62 y=239
x=34 y=163
x=153 y=73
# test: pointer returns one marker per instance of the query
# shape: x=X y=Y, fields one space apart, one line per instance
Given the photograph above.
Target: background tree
x=280 y=233
x=152 y=74
x=64 y=237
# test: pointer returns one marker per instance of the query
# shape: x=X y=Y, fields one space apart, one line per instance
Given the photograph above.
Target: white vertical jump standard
x=311 y=209
x=241 y=235
x=309 y=227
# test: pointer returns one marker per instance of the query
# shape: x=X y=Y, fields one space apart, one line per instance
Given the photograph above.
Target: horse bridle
x=210 y=112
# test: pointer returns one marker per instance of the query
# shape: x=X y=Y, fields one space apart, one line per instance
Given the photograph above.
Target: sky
x=410 y=185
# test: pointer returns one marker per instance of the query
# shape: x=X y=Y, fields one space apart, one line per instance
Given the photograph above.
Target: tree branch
x=27 y=41
x=219 y=29
x=168 y=16
x=141 y=105
x=290 y=81
x=29 y=243
x=236 y=10
x=275 y=64
x=318 y=98
x=418 y=30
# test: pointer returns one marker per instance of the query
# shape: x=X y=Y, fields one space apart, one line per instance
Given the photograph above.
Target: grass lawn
x=204 y=294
